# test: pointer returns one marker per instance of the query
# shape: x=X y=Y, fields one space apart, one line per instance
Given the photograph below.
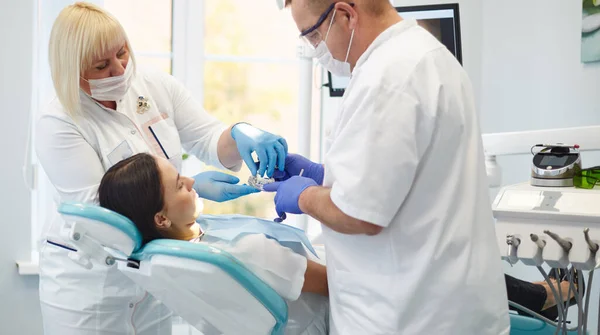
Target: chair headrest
x=105 y=216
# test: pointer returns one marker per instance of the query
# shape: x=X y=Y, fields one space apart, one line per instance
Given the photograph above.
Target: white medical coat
x=405 y=154
x=75 y=154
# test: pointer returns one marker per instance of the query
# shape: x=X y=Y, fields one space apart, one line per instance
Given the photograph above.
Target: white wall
x=532 y=74
x=19 y=306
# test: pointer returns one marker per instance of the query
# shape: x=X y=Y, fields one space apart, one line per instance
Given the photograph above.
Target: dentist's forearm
x=227 y=150
x=316 y=202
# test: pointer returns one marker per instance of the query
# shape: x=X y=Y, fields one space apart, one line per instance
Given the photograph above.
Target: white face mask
x=336 y=67
x=111 y=88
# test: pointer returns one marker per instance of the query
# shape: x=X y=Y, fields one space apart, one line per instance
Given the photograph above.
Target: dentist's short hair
x=375 y=7
x=316 y=6
x=81 y=33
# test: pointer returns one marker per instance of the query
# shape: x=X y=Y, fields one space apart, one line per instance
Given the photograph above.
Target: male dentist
x=403 y=195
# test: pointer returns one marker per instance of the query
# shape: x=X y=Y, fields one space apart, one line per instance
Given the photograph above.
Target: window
x=251 y=73
x=247 y=67
x=149 y=28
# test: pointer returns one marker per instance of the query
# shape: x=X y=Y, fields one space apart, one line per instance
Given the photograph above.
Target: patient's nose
x=189 y=183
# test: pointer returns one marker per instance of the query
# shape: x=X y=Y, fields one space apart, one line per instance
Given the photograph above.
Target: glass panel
x=163 y=64
x=262 y=94
x=148 y=24
x=249 y=28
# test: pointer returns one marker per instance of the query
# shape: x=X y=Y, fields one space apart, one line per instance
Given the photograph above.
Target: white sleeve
x=198 y=130
x=70 y=162
x=374 y=158
x=278 y=266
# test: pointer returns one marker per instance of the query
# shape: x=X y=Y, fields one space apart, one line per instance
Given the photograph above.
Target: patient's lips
x=199 y=207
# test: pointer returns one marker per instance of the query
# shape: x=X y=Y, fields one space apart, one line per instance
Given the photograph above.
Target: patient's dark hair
x=133 y=188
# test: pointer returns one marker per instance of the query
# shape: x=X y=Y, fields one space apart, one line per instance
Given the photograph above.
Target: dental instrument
x=259 y=182
x=555 y=165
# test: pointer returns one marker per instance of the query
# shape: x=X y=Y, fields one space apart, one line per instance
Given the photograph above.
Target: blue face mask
x=234 y=227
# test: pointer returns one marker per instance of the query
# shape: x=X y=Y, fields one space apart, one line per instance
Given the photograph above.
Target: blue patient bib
x=233 y=227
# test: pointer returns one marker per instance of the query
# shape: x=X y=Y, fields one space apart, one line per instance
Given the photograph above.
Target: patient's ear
x=161 y=221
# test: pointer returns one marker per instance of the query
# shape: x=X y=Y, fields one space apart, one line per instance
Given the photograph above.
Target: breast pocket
x=119 y=153
x=166 y=140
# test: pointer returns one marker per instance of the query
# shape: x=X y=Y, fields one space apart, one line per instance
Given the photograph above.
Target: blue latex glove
x=219 y=186
x=288 y=193
x=295 y=163
x=271 y=149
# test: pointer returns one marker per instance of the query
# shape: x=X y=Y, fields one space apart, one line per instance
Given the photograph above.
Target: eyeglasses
x=587 y=178
x=311 y=35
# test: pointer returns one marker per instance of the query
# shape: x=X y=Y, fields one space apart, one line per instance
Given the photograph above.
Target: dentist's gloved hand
x=218 y=186
x=271 y=149
x=295 y=163
x=288 y=194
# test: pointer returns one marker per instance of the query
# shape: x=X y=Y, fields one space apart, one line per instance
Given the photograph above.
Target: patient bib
x=233 y=227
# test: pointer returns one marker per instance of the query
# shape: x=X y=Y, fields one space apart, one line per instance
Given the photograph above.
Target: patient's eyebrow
x=177 y=181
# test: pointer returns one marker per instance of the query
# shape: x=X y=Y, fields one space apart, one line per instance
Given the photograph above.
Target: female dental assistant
x=107 y=110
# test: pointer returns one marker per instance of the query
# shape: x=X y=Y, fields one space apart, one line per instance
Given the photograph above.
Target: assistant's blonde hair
x=82 y=33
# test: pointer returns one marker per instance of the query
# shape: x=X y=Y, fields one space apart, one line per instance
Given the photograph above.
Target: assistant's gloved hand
x=288 y=193
x=271 y=149
x=295 y=163
x=218 y=186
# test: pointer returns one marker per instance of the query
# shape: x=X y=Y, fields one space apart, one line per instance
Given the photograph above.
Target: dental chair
x=228 y=300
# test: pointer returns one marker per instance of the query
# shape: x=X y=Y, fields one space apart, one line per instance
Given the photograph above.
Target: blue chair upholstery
x=229 y=264
x=104 y=215
x=524 y=325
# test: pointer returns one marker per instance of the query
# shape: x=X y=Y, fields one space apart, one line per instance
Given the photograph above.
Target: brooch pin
x=142 y=105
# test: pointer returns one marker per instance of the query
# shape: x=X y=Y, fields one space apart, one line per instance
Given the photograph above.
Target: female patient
x=162 y=204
